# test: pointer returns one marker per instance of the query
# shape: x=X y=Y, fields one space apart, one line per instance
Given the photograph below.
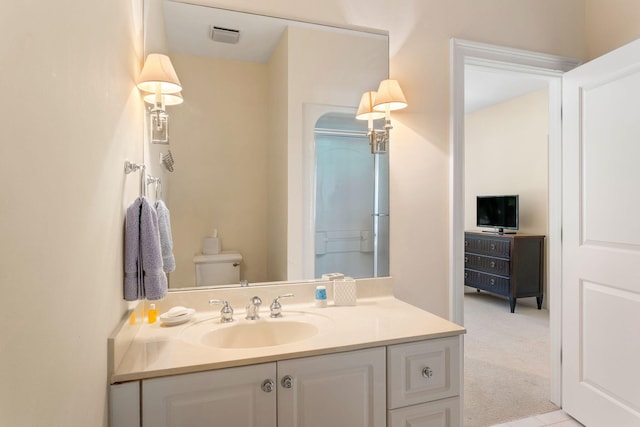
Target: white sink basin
x=264 y=332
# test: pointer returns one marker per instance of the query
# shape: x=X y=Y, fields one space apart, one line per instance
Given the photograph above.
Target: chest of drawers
x=511 y=265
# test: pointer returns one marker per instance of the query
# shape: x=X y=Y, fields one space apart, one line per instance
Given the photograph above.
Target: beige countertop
x=154 y=350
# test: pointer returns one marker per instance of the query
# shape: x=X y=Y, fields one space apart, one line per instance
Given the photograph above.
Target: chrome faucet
x=226 y=313
x=253 y=309
x=276 y=307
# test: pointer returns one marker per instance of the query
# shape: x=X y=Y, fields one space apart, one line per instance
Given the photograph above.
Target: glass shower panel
x=351 y=201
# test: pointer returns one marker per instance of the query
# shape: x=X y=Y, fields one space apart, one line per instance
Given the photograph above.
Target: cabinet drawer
x=487 y=246
x=442 y=413
x=423 y=371
x=487 y=282
x=483 y=263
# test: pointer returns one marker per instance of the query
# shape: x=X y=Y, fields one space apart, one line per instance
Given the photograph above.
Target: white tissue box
x=332 y=276
x=211 y=245
x=344 y=291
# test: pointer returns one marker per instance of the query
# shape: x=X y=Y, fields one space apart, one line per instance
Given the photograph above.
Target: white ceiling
x=188 y=26
x=484 y=87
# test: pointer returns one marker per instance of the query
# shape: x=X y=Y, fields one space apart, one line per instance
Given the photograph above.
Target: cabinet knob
x=466 y=275
x=492 y=282
x=268 y=385
x=493 y=246
x=466 y=243
x=427 y=372
x=492 y=264
x=287 y=381
x=466 y=259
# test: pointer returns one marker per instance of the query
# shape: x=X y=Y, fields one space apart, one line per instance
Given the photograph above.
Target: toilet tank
x=218 y=269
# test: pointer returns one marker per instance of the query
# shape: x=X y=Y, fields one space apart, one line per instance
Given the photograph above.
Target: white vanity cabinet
x=341 y=389
x=241 y=397
x=424 y=383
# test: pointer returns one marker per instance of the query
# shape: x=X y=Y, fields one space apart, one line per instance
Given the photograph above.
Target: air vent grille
x=224 y=35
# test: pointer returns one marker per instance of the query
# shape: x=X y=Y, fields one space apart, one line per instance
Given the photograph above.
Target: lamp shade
x=157 y=73
x=365 y=109
x=167 y=99
x=389 y=95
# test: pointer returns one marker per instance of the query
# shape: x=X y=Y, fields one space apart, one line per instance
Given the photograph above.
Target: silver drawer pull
x=492 y=282
x=493 y=246
x=492 y=264
x=427 y=372
x=268 y=385
x=287 y=381
x=466 y=259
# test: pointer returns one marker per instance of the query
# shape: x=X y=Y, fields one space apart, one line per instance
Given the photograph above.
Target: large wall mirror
x=265 y=147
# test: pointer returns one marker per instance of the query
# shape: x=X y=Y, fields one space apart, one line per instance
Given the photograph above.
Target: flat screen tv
x=497 y=212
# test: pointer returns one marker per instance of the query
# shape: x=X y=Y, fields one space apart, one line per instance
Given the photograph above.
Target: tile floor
x=550 y=419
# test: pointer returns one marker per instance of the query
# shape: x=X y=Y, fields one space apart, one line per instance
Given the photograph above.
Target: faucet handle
x=276 y=307
x=226 y=313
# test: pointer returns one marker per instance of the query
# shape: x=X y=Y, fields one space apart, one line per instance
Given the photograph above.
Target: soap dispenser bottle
x=152 y=314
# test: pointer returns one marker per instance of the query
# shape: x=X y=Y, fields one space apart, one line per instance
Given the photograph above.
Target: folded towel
x=143 y=274
x=166 y=240
x=154 y=278
x=133 y=285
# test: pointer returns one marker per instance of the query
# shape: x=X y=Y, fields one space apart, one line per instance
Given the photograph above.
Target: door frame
x=462 y=53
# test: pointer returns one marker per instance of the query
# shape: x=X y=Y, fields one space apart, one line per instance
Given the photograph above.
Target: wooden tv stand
x=511 y=265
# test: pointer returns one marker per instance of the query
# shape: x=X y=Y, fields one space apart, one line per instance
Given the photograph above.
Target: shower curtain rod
x=347 y=133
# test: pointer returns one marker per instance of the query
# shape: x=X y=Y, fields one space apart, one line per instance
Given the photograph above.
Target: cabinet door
x=337 y=390
x=225 y=397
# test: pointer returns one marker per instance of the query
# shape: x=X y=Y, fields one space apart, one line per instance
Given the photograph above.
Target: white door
x=335 y=390
x=601 y=240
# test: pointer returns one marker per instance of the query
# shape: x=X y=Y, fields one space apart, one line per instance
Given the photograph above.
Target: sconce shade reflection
x=389 y=96
x=365 y=109
x=158 y=73
x=167 y=99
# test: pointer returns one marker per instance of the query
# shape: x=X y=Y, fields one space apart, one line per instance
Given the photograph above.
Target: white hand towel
x=166 y=240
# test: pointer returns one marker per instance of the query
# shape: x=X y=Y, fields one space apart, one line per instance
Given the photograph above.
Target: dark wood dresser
x=511 y=265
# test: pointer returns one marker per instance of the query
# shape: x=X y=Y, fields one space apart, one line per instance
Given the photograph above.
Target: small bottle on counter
x=321 y=296
x=152 y=314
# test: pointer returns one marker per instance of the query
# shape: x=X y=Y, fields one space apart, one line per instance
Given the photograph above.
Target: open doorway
x=550 y=68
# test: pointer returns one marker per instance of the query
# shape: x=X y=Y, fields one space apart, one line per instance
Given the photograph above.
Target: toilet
x=218 y=269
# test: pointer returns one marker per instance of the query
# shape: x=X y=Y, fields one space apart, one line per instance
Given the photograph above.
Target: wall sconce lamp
x=160 y=82
x=375 y=105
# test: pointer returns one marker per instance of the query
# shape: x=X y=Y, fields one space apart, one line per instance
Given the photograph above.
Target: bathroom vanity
x=381 y=363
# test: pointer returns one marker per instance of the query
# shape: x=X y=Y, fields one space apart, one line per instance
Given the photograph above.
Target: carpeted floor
x=506 y=361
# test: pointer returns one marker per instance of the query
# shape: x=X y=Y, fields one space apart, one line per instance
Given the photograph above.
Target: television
x=497 y=212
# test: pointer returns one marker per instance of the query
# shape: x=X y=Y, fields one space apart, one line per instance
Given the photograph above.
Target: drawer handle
x=492 y=264
x=287 y=381
x=492 y=282
x=466 y=243
x=493 y=246
x=268 y=385
x=427 y=372
x=466 y=275
x=466 y=259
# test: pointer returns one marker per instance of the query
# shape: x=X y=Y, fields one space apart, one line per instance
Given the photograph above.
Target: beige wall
x=72 y=115
x=611 y=24
x=218 y=140
x=506 y=152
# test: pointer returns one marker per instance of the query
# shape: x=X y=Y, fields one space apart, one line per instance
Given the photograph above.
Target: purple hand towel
x=166 y=240
x=133 y=285
x=143 y=274
x=154 y=278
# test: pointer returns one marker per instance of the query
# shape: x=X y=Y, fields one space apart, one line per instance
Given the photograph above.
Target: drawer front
x=487 y=246
x=422 y=372
x=442 y=413
x=487 y=282
x=487 y=264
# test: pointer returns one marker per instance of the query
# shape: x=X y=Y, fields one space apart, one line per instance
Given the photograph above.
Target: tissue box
x=211 y=245
x=344 y=291
x=332 y=276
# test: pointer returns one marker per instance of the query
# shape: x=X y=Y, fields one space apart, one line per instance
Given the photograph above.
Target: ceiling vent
x=224 y=35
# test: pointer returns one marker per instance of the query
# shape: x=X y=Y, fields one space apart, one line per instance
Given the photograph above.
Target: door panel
x=601 y=239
